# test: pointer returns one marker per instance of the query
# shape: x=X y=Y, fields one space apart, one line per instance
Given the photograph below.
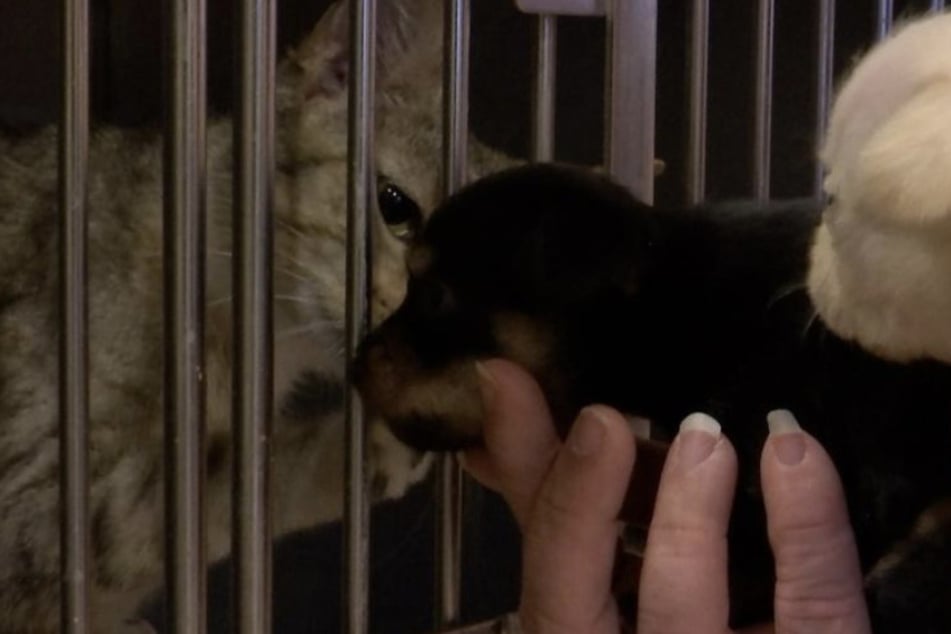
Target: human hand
x=566 y=498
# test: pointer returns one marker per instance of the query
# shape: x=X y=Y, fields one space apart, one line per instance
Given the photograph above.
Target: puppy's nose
x=373 y=358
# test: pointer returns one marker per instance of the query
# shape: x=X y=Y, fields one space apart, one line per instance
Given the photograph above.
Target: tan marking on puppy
x=398 y=389
x=451 y=394
x=933 y=519
x=522 y=339
x=418 y=259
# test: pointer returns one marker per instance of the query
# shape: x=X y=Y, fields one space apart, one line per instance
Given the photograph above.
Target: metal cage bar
x=184 y=222
x=360 y=189
x=455 y=147
x=543 y=128
x=699 y=32
x=936 y=5
x=630 y=88
x=824 y=70
x=763 y=110
x=253 y=315
x=884 y=17
x=73 y=351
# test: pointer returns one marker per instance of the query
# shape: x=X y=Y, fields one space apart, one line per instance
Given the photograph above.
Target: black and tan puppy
x=659 y=313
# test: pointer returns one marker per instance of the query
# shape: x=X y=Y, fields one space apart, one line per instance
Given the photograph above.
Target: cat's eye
x=400 y=212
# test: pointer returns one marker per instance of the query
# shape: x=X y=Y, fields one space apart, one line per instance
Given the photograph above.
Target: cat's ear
x=406 y=29
x=901 y=175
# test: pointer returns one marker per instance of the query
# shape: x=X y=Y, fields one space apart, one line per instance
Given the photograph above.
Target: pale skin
x=566 y=496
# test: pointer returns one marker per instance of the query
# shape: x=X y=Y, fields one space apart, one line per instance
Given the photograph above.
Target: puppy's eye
x=400 y=212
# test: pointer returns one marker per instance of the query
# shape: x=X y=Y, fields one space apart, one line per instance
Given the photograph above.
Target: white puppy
x=881 y=262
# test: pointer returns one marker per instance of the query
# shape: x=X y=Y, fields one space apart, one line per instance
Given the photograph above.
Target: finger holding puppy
x=519 y=439
x=571 y=530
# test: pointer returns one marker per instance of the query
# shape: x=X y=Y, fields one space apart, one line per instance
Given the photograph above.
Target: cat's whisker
x=813 y=320
x=289 y=227
x=291 y=274
x=220 y=253
x=219 y=301
x=294 y=331
x=296 y=299
x=286 y=258
x=785 y=292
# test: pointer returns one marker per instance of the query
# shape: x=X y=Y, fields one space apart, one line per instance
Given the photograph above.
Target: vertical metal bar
x=631 y=77
x=456 y=94
x=883 y=18
x=184 y=319
x=361 y=187
x=455 y=146
x=73 y=344
x=937 y=5
x=254 y=332
x=697 y=99
x=543 y=130
x=826 y=41
x=764 y=99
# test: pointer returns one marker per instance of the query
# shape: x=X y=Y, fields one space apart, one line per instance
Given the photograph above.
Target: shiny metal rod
x=455 y=147
x=456 y=94
x=631 y=77
x=73 y=342
x=884 y=16
x=543 y=130
x=824 y=54
x=937 y=5
x=254 y=328
x=184 y=203
x=763 y=111
x=360 y=195
x=697 y=100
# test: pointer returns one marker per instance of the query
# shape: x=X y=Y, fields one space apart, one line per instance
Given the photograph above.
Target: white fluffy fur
x=881 y=263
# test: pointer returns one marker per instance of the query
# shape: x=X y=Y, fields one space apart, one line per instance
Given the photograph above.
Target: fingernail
x=587 y=433
x=487 y=383
x=698 y=434
x=787 y=439
x=639 y=425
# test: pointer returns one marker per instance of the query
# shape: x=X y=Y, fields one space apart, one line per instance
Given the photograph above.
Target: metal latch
x=563 y=7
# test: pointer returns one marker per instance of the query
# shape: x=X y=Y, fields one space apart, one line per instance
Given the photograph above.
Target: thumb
x=572 y=529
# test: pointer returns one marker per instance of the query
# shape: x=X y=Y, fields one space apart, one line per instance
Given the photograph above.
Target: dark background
x=127 y=81
x=126 y=89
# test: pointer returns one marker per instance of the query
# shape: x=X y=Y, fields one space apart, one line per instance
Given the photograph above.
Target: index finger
x=519 y=436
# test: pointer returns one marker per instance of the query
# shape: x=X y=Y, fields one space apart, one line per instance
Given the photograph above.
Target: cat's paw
x=394 y=466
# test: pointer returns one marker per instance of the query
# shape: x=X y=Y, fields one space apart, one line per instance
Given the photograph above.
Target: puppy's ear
x=902 y=175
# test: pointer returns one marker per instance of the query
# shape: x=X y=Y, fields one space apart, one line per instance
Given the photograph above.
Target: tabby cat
x=125 y=313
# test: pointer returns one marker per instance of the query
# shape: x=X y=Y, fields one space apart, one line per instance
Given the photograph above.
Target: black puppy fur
x=660 y=313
